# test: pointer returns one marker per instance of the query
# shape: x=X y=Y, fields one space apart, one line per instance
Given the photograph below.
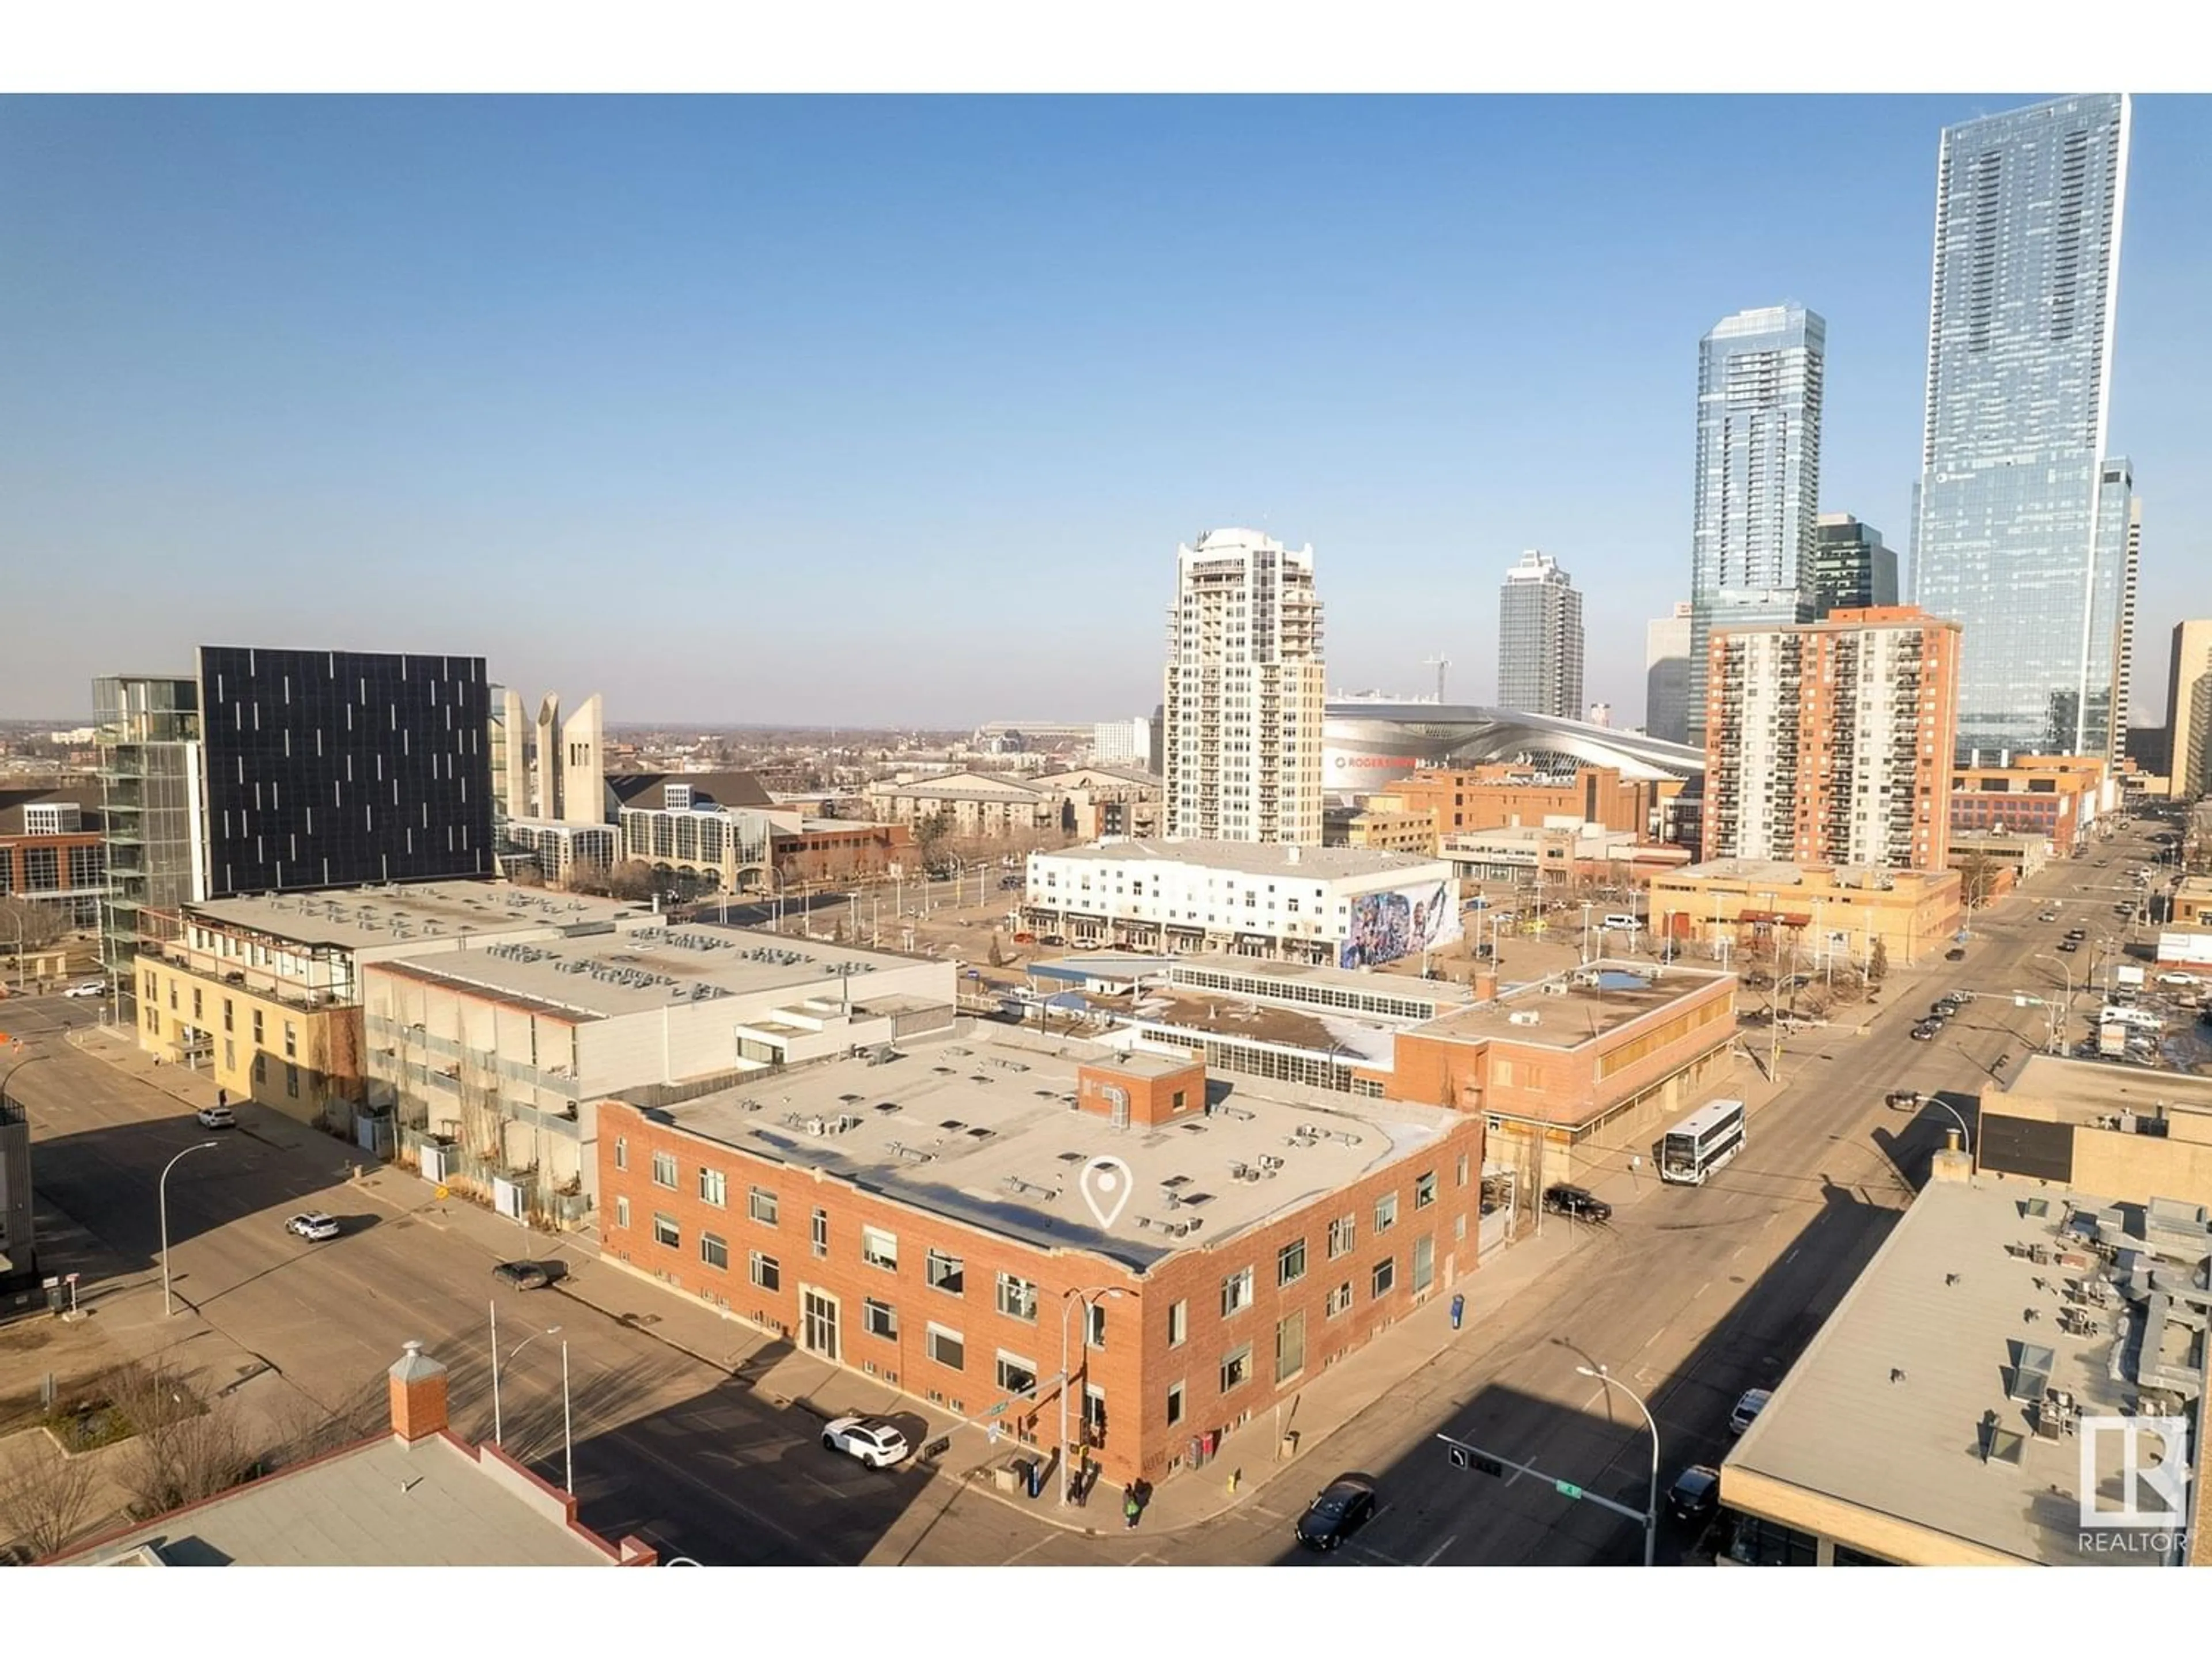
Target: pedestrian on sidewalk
x=1130 y=1508
x=221 y=1098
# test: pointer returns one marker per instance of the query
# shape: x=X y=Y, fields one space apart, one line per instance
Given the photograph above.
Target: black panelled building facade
x=335 y=768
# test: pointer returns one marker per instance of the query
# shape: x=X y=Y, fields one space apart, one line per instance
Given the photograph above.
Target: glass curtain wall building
x=147 y=732
x=1540 y=640
x=1760 y=378
x=2021 y=519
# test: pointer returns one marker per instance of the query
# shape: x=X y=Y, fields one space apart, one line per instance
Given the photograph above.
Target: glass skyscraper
x=1760 y=376
x=1540 y=638
x=2021 y=519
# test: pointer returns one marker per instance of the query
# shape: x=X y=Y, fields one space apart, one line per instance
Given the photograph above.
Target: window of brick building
x=1237 y=1369
x=1235 y=1293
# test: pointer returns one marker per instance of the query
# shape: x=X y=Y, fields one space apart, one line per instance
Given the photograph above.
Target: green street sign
x=999 y=1408
x=1568 y=1489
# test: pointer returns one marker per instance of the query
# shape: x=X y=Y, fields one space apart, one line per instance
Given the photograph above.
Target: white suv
x=313 y=1225
x=874 y=1442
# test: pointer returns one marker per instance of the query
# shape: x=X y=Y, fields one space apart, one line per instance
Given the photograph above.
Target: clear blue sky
x=876 y=411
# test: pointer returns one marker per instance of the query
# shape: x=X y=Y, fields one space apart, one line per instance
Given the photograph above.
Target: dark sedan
x=529 y=1275
x=1340 y=1509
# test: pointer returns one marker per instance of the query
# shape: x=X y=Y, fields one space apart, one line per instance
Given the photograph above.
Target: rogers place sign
x=1377 y=760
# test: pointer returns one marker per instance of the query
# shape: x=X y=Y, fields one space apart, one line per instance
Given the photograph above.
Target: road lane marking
x=1440 y=1549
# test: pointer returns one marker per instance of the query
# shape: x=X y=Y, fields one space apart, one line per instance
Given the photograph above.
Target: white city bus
x=1701 y=1142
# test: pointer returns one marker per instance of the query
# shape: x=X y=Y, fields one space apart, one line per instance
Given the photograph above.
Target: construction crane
x=1439 y=662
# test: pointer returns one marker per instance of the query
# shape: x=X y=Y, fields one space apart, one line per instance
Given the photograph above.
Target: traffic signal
x=1464 y=1457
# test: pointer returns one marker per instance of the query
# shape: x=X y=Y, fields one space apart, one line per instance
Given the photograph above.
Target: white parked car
x=91 y=987
x=313 y=1225
x=874 y=1442
x=2181 y=982
x=1748 y=1408
x=216 y=1117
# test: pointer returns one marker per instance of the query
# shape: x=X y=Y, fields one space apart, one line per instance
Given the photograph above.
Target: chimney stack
x=1951 y=1164
x=418 y=1395
x=1486 y=985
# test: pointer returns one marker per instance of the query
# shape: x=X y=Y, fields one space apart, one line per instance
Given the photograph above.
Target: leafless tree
x=1977 y=878
x=1877 y=962
x=46 y=1499
x=41 y=925
x=184 y=1450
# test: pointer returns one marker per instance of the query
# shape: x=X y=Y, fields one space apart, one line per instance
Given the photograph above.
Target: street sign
x=1567 y=1489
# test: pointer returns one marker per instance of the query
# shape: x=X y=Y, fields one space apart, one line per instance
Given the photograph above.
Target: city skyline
x=628 y=368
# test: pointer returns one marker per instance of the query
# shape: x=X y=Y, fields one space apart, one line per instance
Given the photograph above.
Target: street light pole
x=498 y=1422
x=1068 y=1300
x=1652 y=1510
x=168 y=1307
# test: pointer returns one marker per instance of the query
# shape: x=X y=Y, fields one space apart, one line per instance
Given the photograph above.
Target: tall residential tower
x=1242 y=722
x=1760 y=376
x=2020 y=529
x=1540 y=640
x=1825 y=741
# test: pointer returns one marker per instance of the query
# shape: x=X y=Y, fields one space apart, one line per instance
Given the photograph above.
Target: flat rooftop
x=1575 y=1007
x=354 y=918
x=984 y=1130
x=387 y=1505
x=1253 y=858
x=1286 y=978
x=2077 y=1090
x=1357 y=1041
x=607 y=976
x=1780 y=872
x=1891 y=1407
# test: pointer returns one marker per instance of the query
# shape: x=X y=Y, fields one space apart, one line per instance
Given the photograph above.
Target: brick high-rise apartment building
x=1828 y=742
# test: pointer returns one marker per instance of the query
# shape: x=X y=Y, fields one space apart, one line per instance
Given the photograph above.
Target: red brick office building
x=1228 y=1290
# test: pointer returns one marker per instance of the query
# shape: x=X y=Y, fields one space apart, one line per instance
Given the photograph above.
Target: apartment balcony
x=221 y=972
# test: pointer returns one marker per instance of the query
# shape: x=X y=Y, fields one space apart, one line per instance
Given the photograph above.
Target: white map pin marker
x=1106 y=1184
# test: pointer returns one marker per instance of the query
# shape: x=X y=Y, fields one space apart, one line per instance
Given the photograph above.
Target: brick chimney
x=418 y=1395
x=1486 y=985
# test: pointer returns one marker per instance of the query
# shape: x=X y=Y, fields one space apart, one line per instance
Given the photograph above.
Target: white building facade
x=1341 y=906
x=1245 y=693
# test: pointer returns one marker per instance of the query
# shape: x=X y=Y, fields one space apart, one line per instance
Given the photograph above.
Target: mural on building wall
x=1396 y=923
